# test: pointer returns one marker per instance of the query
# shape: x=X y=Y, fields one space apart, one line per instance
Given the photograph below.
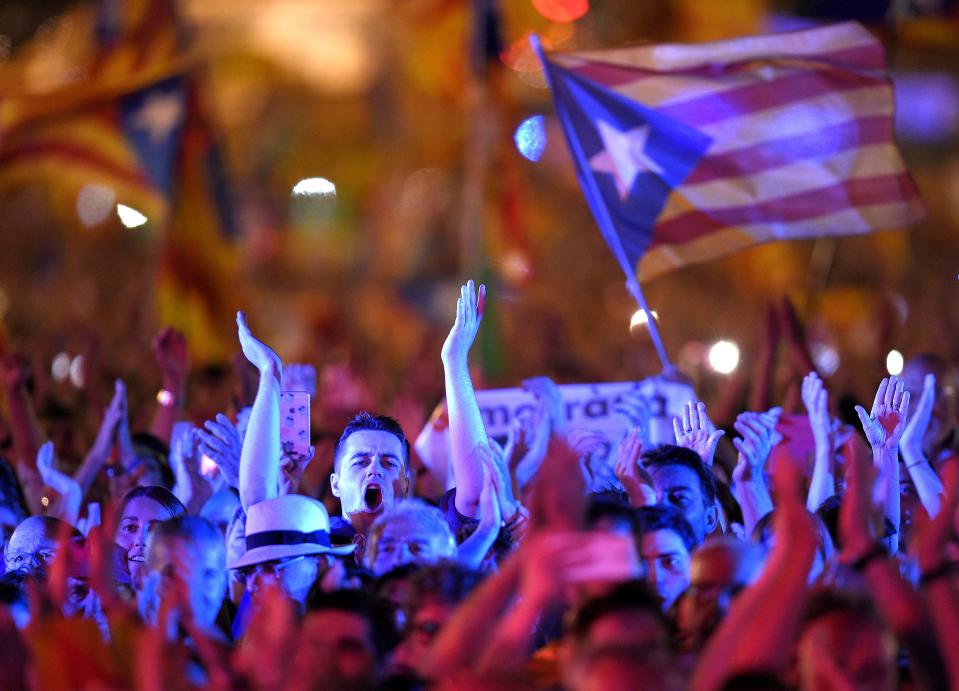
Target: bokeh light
x=562 y=10
x=894 y=363
x=639 y=320
x=94 y=204
x=724 y=357
x=77 y=372
x=60 y=368
x=130 y=217
x=826 y=358
x=312 y=187
x=530 y=137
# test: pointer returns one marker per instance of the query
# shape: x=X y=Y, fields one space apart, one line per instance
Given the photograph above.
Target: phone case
x=295 y=423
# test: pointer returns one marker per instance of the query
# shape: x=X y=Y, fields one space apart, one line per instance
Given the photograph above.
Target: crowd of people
x=684 y=556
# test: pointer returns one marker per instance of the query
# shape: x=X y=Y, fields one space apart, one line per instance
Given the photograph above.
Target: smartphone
x=295 y=423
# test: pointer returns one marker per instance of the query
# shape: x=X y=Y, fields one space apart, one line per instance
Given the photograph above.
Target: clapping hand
x=469 y=314
x=885 y=424
x=759 y=437
x=695 y=431
x=630 y=472
x=259 y=354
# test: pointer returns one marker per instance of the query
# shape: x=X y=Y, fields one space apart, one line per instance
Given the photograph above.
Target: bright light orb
x=94 y=204
x=130 y=217
x=314 y=187
x=894 y=363
x=530 y=138
x=562 y=10
x=60 y=368
x=639 y=319
x=724 y=357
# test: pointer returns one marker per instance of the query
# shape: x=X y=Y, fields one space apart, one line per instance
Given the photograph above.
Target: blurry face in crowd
x=945 y=413
x=667 y=564
x=139 y=517
x=336 y=650
x=623 y=668
x=841 y=650
x=371 y=474
x=679 y=486
x=31 y=548
x=716 y=574
x=407 y=541
x=294 y=575
x=421 y=630
x=220 y=508
x=197 y=567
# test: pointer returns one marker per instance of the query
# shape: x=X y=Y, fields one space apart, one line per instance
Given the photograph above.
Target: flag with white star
x=686 y=153
x=628 y=158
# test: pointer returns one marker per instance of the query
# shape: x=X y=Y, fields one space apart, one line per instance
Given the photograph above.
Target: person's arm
x=823 y=482
x=67 y=505
x=748 y=639
x=466 y=428
x=474 y=620
x=924 y=478
x=695 y=431
x=937 y=581
x=759 y=436
x=473 y=549
x=24 y=427
x=884 y=427
x=173 y=356
x=898 y=603
x=99 y=452
x=260 y=455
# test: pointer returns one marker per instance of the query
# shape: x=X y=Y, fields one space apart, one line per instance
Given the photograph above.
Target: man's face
x=716 y=574
x=31 y=548
x=294 y=575
x=371 y=473
x=336 y=649
x=841 y=650
x=407 y=542
x=679 y=486
x=667 y=564
x=421 y=630
x=198 y=568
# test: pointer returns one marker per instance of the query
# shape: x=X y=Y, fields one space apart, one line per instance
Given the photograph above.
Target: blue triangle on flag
x=152 y=121
x=643 y=157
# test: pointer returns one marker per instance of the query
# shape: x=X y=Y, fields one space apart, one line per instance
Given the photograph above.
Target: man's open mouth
x=373 y=497
x=139 y=558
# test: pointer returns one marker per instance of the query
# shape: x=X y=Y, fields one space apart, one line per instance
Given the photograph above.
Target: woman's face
x=139 y=517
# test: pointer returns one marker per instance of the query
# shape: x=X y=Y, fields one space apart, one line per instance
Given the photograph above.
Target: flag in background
x=127 y=120
x=689 y=152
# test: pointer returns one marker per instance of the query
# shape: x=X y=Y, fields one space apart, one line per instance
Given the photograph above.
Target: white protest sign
x=589 y=407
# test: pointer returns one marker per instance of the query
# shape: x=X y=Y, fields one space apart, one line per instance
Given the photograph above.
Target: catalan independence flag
x=689 y=152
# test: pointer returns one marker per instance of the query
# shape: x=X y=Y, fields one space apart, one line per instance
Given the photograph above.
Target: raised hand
x=637 y=412
x=220 y=441
x=885 y=424
x=695 y=431
x=918 y=422
x=469 y=314
x=630 y=472
x=759 y=437
x=259 y=354
x=292 y=467
x=858 y=515
x=71 y=496
x=172 y=354
x=816 y=399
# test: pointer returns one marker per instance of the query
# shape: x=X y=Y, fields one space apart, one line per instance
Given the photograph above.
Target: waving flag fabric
x=689 y=152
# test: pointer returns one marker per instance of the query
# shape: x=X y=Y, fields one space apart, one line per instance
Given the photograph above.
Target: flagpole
x=601 y=213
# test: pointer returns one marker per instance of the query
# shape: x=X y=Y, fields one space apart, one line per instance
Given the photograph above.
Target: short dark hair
x=665 y=517
x=375 y=610
x=376 y=423
x=624 y=597
x=446 y=581
x=161 y=495
x=190 y=527
x=670 y=454
x=834 y=601
x=607 y=505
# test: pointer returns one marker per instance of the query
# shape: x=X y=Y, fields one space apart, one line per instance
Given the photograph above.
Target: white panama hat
x=289 y=526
